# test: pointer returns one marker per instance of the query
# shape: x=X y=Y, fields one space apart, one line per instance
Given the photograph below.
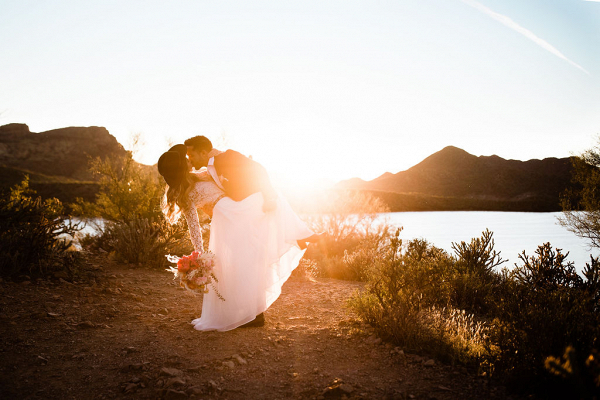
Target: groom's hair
x=199 y=143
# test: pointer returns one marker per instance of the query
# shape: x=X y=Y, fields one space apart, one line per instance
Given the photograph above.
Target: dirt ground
x=124 y=332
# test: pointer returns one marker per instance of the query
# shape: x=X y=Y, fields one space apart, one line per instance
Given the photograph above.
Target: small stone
x=130 y=387
x=86 y=324
x=171 y=371
x=171 y=394
x=240 y=360
x=229 y=364
x=429 y=363
x=213 y=387
x=213 y=384
x=133 y=367
x=195 y=391
x=346 y=389
x=175 y=381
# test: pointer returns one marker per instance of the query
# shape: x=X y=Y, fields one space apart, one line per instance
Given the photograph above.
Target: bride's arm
x=191 y=216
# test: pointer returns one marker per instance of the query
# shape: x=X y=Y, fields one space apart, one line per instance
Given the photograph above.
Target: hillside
x=62 y=152
x=453 y=179
x=56 y=160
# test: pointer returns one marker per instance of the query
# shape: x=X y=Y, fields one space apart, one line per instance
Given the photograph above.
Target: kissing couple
x=256 y=237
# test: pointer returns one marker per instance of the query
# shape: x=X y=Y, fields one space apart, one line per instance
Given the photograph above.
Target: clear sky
x=317 y=91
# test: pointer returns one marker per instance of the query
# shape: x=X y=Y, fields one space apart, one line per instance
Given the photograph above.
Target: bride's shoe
x=315 y=238
x=256 y=322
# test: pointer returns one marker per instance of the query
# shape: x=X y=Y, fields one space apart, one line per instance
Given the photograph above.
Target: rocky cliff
x=56 y=161
x=60 y=152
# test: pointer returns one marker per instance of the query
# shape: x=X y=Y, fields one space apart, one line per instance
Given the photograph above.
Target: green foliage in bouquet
x=34 y=235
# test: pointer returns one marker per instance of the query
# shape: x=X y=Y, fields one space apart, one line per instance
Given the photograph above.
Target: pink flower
x=201 y=280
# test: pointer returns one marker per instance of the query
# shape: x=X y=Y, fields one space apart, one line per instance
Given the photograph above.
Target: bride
x=255 y=252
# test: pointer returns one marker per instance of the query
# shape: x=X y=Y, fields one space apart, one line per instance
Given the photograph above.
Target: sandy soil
x=121 y=331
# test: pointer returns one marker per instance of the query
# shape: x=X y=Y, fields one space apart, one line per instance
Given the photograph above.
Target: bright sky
x=317 y=91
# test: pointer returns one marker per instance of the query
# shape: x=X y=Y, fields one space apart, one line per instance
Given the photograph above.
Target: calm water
x=513 y=232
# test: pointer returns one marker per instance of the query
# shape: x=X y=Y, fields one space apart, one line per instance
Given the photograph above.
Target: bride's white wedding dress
x=255 y=253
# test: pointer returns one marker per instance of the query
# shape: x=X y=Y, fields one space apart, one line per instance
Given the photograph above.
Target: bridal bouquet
x=195 y=272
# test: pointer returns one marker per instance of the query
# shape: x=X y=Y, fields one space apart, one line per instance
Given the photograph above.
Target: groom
x=238 y=175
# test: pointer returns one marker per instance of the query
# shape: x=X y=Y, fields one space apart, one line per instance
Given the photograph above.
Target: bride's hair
x=173 y=167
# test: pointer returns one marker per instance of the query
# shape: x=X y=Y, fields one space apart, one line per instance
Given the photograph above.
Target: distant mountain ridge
x=454 y=178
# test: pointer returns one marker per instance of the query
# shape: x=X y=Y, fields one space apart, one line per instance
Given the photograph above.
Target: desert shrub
x=407 y=302
x=128 y=191
x=135 y=230
x=34 y=235
x=459 y=337
x=580 y=375
x=354 y=230
x=543 y=307
x=581 y=202
x=475 y=280
x=145 y=242
x=514 y=323
x=387 y=303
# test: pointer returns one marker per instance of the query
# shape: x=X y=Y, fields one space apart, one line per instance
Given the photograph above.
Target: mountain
x=63 y=152
x=56 y=160
x=455 y=179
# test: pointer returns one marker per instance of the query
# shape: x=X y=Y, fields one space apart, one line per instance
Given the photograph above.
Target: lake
x=513 y=232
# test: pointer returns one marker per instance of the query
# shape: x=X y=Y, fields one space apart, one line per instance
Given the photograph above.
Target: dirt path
x=125 y=332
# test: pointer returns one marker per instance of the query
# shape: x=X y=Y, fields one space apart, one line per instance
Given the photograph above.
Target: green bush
x=543 y=307
x=475 y=279
x=407 y=300
x=386 y=304
x=34 y=235
x=146 y=242
x=354 y=231
x=512 y=323
x=128 y=191
x=134 y=228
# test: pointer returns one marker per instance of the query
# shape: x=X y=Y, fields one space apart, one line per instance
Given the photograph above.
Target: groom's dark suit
x=242 y=176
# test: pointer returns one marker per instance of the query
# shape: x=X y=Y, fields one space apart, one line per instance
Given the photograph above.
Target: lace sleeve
x=191 y=216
